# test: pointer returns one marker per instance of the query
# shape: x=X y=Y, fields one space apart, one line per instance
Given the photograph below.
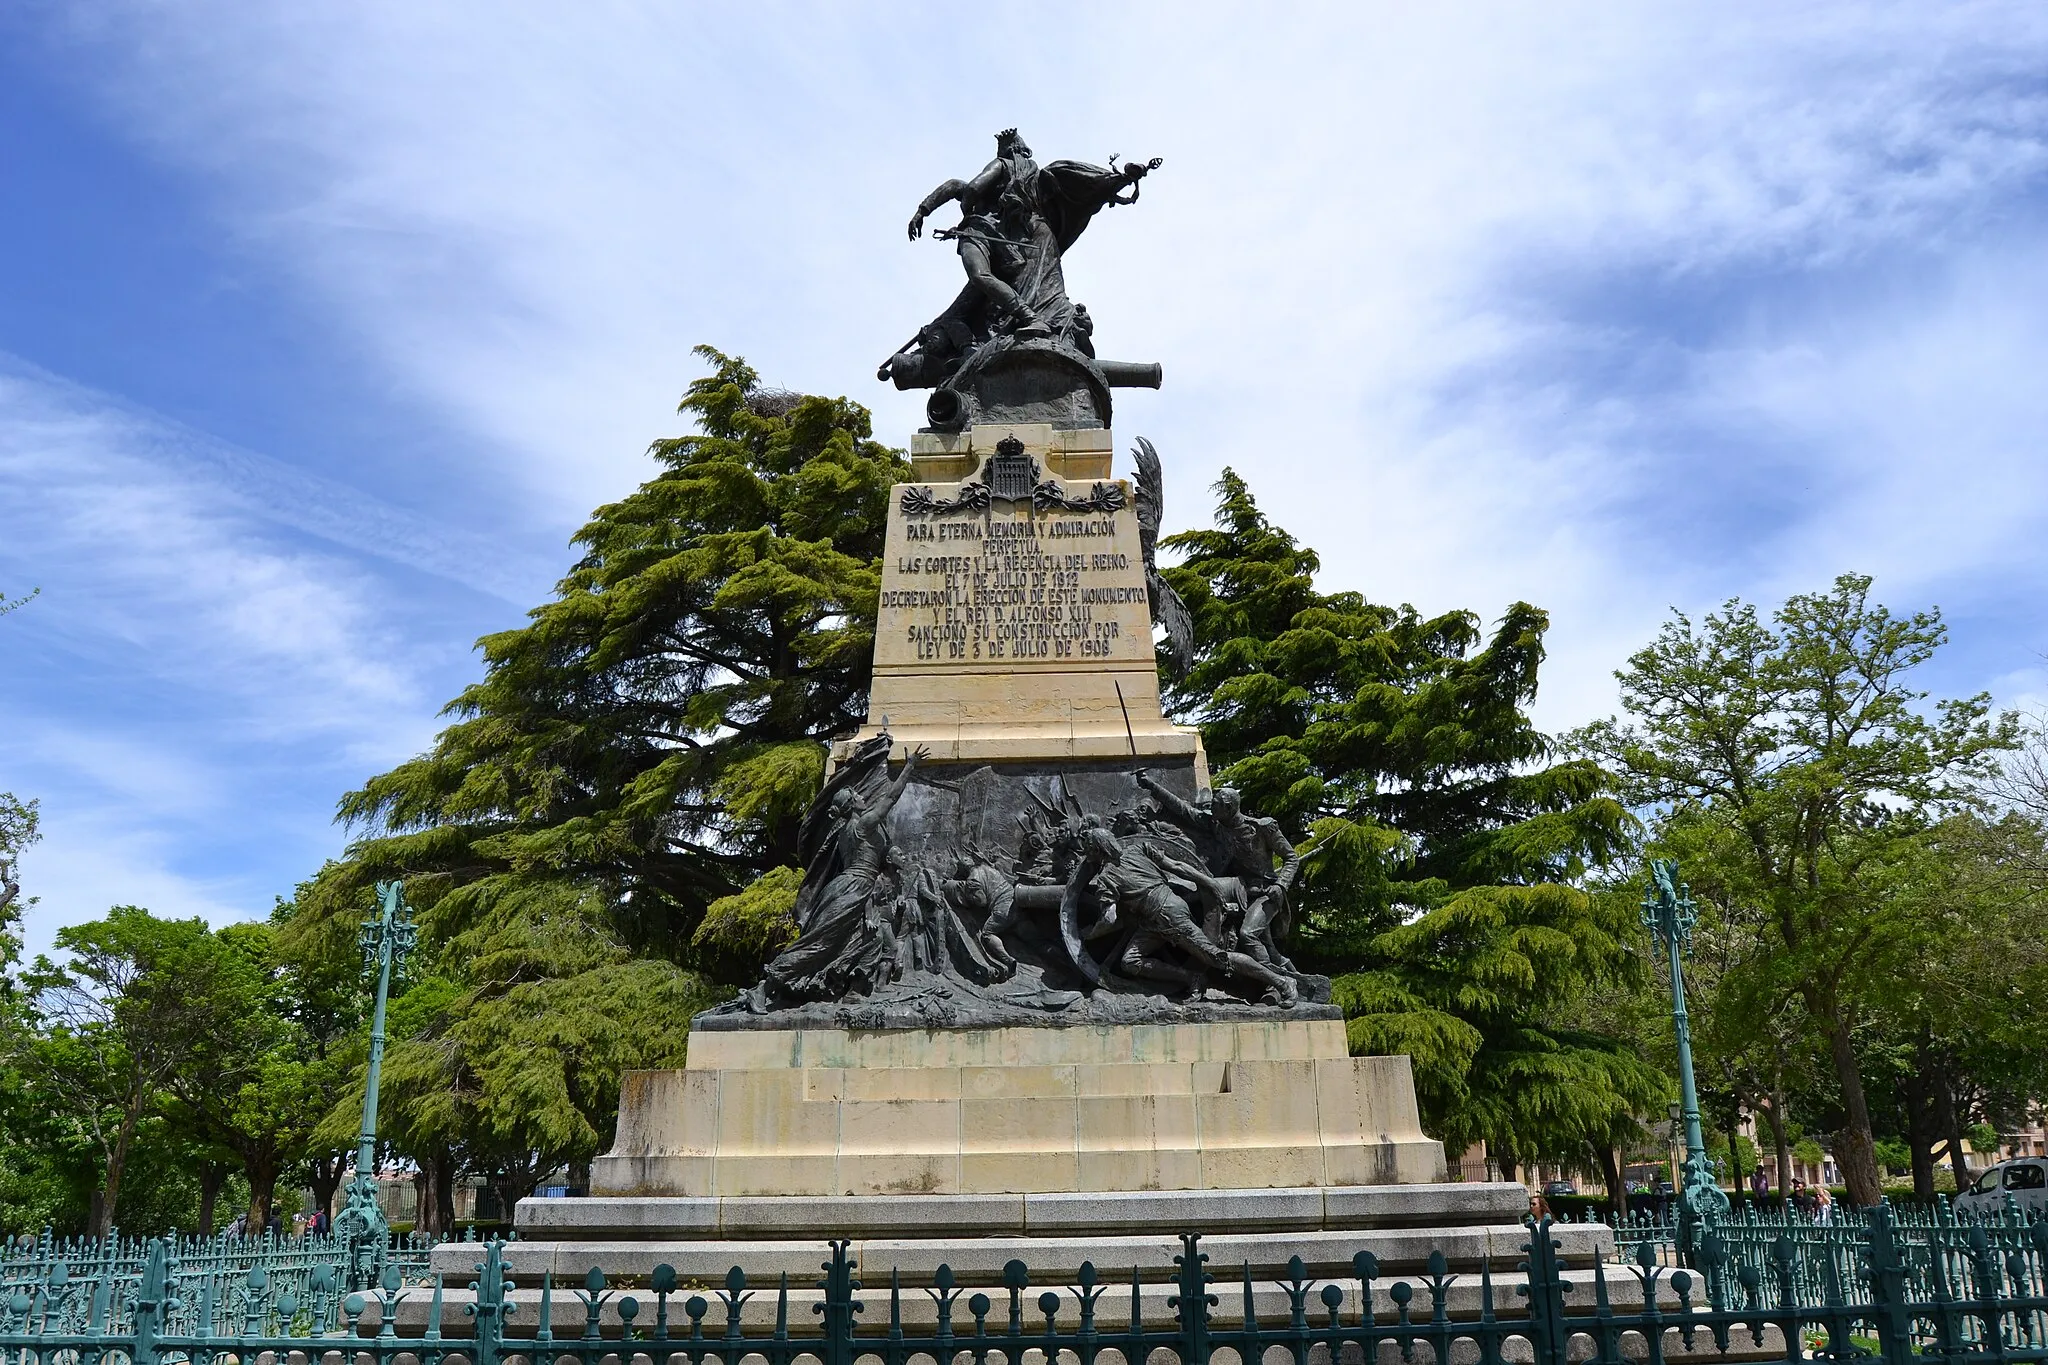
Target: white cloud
x=93 y=858
x=1608 y=309
x=532 y=213
x=139 y=561
x=195 y=663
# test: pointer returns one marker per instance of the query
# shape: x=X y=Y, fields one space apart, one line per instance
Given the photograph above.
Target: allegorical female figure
x=869 y=914
x=849 y=855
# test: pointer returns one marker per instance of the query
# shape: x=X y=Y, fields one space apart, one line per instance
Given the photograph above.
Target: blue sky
x=323 y=326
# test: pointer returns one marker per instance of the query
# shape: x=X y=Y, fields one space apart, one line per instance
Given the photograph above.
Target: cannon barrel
x=1045 y=898
x=1131 y=374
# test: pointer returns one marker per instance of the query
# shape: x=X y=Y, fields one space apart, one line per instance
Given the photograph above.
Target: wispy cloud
x=60 y=433
x=1608 y=309
x=200 y=672
x=1394 y=246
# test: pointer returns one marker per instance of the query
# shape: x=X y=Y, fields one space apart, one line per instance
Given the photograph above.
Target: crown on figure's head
x=1007 y=135
x=1010 y=447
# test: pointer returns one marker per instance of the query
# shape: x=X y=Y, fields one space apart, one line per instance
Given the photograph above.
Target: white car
x=2025 y=1179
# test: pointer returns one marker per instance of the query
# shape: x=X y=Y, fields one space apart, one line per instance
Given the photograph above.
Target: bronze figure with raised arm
x=832 y=905
x=1017 y=220
x=1238 y=844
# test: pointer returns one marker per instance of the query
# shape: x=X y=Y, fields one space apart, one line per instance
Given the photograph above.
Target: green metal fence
x=1992 y=1310
x=1932 y=1240
x=60 y=1268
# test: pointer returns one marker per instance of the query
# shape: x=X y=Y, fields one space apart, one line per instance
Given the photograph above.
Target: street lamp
x=385 y=939
x=1669 y=913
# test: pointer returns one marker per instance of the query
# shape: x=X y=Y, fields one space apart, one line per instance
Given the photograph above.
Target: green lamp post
x=385 y=939
x=1669 y=913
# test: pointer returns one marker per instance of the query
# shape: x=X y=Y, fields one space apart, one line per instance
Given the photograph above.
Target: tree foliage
x=605 y=827
x=1396 y=743
x=506 y=1064
x=166 y=1021
x=1444 y=841
x=1953 y=1039
x=1797 y=774
x=20 y=826
x=654 y=733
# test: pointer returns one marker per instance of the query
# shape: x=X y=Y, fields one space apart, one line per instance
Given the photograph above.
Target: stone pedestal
x=969 y=1148
x=1019 y=628
x=1216 y=1106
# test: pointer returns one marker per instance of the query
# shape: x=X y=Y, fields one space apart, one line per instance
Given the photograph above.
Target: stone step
x=1051 y=1258
x=743 y=1217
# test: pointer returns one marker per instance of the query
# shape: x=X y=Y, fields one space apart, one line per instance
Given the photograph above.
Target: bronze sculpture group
x=1165 y=897
x=1012 y=346
x=1017 y=219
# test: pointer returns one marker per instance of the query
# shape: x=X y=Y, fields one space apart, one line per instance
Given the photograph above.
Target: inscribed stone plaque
x=1002 y=586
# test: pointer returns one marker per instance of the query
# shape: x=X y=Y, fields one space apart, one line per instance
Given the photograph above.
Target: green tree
x=43 y=1182
x=1893 y=1156
x=1795 y=770
x=1444 y=844
x=512 y=1069
x=24 y=1180
x=320 y=990
x=654 y=734
x=1484 y=992
x=1752 y=1040
x=19 y=827
x=255 y=1084
x=1396 y=743
x=1956 y=1031
x=132 y=1004
x=640 y=752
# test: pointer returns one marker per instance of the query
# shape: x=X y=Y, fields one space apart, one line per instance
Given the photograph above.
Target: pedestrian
x=1800 y=1199
x=1760 y=1184
x=1823 y=1205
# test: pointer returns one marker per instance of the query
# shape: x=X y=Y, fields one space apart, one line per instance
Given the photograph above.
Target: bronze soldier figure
x=1142 y=885
x=1237 y=844
x=1017 y=220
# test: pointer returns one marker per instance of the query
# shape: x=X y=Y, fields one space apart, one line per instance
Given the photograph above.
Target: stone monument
x=1040 y=995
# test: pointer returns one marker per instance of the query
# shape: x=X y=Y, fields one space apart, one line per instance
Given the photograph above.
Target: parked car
x=1556 y=1187
x=2025 y=1179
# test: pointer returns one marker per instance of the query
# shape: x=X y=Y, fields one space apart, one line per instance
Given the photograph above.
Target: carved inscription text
x=1019 y=588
